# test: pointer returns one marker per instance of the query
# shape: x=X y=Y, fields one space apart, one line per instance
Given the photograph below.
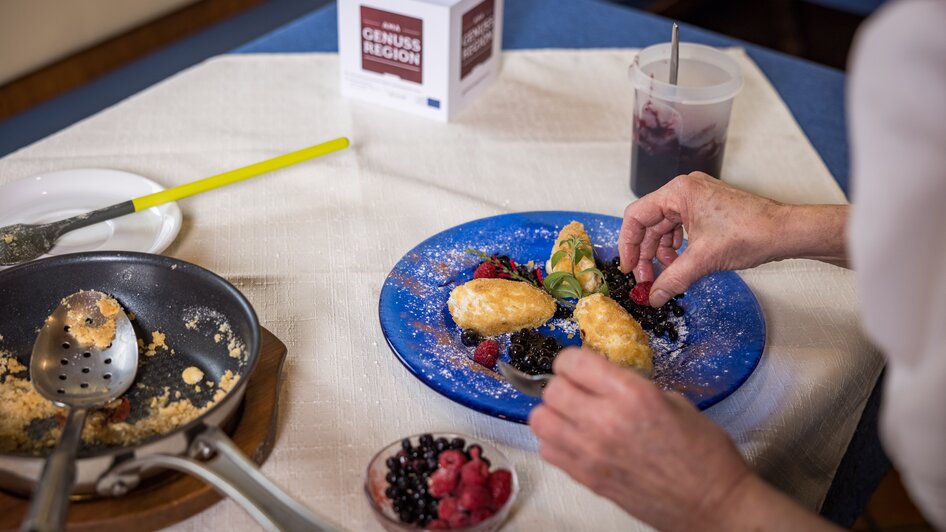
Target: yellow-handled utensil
x=24 y=242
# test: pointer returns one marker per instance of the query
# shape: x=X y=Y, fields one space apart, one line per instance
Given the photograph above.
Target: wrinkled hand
x=648 y=450
x=727 y=228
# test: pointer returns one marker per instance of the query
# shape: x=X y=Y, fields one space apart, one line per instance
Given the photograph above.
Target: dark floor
x=891 y=510
x=802 y=28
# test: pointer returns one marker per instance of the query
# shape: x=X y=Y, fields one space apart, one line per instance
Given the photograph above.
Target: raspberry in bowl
x=440 y=481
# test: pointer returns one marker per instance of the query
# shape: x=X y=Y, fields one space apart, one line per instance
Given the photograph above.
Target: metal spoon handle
x=94 y=217
x=674 y=53
x=50 y=501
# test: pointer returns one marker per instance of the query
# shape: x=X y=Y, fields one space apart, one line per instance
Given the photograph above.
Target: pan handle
x=231 y=474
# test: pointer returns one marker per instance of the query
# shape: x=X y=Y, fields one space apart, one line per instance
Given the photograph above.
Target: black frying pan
x=186 y=303
x=164 y=294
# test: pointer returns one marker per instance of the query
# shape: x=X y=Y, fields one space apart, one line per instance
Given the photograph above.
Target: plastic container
x=681 y=128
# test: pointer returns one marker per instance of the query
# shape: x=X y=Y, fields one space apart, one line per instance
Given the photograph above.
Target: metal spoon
x=674 y=53
x=528 y=384
x=25 y=242
x=80 y=378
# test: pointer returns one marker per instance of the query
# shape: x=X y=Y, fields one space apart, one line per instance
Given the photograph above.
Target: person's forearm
x=816 y=232
x=755 y=505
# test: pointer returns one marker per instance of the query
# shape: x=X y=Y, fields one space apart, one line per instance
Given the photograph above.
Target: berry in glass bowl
x=440 y=481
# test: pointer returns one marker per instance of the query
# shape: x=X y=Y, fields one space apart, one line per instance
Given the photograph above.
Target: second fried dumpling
x=608 y=329
x=589 y=281
x=497 y=306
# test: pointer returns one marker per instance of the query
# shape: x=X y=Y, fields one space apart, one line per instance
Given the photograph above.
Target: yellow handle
x=226 y=178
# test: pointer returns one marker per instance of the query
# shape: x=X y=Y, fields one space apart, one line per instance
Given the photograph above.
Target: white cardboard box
x=428 y=57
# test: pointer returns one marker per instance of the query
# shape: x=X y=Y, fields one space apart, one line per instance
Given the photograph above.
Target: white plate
x=57 y=195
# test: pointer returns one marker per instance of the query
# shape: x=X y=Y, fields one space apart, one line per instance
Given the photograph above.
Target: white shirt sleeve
x=897 y=109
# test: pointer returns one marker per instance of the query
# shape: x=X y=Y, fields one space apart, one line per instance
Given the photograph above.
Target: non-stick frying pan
x=203 y=318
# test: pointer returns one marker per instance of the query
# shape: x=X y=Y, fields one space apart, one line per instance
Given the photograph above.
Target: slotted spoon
x=80 y=378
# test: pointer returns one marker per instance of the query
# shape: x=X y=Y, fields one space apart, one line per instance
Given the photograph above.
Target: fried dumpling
x=589 y=281
x=607 y=328
x=497 y=306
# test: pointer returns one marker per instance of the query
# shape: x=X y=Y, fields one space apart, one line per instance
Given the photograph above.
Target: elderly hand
x=728 y=229
x=652 y=452
x=649 y=451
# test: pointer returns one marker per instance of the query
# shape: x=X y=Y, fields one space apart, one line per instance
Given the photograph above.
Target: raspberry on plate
x=486 y=270
x=640 y=294
x=487 y=353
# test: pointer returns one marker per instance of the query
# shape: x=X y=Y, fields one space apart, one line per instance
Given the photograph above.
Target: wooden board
x=179 y=496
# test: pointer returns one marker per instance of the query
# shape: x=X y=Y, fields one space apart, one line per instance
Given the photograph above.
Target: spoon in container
x=674 y=53
x=25 y=242
x=86 y=355
x=531 y=385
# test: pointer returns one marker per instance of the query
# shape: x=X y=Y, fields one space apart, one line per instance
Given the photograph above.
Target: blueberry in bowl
x=440 y=481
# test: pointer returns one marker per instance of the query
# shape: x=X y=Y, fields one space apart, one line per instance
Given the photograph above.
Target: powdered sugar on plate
x=720 y=336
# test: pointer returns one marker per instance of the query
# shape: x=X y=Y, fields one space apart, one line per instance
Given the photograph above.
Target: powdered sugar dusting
x=418 y=325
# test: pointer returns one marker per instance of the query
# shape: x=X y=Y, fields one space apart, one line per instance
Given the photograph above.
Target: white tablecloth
x=311 y=245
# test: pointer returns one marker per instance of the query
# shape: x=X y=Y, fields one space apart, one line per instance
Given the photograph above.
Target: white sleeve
x=897 y=109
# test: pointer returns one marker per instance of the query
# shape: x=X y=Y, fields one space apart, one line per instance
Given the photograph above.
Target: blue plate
x=722 y=333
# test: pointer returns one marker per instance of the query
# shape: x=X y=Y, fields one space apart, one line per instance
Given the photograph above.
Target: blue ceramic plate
x=722 y=333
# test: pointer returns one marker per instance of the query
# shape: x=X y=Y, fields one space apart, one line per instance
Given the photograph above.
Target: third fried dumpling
x=589 y=281
x=607 y=328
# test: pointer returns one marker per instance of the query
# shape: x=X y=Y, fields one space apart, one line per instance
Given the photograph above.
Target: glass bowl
x=383 y=506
